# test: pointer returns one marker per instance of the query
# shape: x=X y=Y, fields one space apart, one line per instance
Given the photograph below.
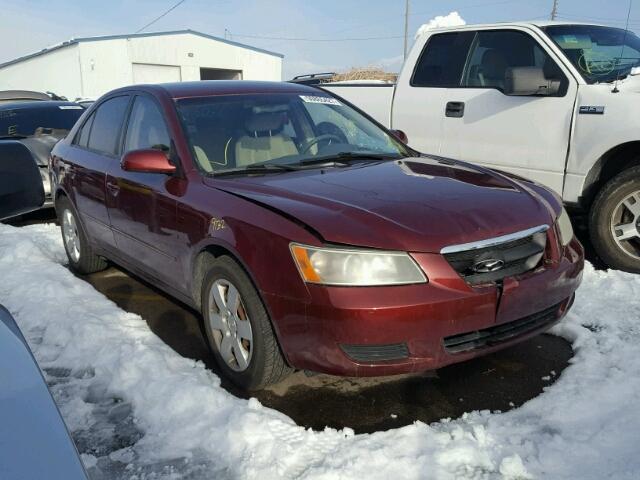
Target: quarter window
x=442 y=61
x=82 y=139
x=107 y=125
x=146 y=128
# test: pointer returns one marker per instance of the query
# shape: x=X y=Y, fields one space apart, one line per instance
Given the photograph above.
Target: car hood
x=414 y=204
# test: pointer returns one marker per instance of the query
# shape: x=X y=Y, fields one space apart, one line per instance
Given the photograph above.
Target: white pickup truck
x=558 y=103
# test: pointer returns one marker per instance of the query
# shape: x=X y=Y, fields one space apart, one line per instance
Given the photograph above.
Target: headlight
x=337 y=266
x=564 y=228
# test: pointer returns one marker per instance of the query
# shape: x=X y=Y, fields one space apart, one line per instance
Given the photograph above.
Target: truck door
x=422 y=92
x=527 y=135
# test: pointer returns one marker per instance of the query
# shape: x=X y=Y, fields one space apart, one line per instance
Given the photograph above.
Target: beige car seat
x=263 y=139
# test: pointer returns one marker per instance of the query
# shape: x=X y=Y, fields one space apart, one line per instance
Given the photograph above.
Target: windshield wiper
x=346 y=157
x=260 y=168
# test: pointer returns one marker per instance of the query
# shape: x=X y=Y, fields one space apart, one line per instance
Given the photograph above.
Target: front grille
x=497 y=334
x=376 y=353
x=516 y=254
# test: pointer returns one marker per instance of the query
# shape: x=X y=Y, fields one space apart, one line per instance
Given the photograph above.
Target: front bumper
x=372 y=331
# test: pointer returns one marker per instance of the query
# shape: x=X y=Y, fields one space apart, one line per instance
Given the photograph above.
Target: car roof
x=530 y=23
x=205 y=88
x=36 y=105
x=8 y=95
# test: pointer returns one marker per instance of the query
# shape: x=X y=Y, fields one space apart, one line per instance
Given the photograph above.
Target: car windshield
x=23 y=121
x=245 y=132
x=601 y=54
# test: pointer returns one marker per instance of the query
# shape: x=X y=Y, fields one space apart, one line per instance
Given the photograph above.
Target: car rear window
x=25 y=121
x=107 y=125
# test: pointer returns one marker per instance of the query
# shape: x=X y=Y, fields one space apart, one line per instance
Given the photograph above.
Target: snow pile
x=138 y=410
x=453 y=19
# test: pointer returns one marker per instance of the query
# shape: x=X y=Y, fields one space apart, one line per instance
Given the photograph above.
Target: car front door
x=527 y=135
x=142 y=206
x=93 y=151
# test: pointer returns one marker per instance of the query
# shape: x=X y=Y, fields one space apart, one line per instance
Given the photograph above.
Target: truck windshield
x=242 y=132
x=601 y=54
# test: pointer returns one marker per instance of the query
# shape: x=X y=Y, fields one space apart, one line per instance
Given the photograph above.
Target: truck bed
x=373 y=98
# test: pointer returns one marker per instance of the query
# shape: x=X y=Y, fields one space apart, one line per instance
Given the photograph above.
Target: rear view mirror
x=21 y=189
x=524 y=81
x=147 y=161
x=400 y=135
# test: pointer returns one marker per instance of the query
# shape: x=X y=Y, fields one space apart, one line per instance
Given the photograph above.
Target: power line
x=161 y=16
x=305 y=39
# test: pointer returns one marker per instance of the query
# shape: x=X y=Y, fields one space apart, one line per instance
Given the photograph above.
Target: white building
x=90 y=67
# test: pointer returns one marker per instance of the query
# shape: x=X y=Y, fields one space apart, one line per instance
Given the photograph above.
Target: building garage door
x=148 y=73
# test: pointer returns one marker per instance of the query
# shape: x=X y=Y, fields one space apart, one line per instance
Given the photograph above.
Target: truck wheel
x=238 y=329
x=614 y=222
x=80 y=254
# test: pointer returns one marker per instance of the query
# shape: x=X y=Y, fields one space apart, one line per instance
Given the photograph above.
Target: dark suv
x=307 y=235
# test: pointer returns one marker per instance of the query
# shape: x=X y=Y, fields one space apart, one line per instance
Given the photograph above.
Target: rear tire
x=238 y=329
x=614 y=221
x=80 y=254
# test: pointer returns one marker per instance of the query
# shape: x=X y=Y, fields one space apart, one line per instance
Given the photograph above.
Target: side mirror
x=400 y=135
x=21 y=189
x=525 y=81
x=147 y=161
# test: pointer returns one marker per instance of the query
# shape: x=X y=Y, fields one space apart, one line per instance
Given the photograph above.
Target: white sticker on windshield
x=319 y=99
x=70 y=107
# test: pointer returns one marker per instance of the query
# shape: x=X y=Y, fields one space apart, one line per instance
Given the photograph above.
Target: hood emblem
x=488 y=265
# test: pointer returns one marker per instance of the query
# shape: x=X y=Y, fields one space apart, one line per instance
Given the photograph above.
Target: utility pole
x=406 y=27
x=554 y=10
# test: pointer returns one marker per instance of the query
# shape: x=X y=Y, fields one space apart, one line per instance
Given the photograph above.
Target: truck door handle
x=454 y=109
x=113 y=188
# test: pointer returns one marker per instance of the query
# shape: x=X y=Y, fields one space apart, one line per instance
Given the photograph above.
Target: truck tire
x=614 y=221
x=82 y=260
x=240 y=334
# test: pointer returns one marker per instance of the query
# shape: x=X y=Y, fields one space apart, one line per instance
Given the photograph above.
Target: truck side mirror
x=400 y=135
x=21 y=189
x=527 y=81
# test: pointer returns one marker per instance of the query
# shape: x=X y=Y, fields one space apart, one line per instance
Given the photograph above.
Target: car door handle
x=454 y=109
x=113 y=188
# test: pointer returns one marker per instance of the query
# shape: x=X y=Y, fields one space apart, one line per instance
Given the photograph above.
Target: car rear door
x=142 y=206
x=83 y=166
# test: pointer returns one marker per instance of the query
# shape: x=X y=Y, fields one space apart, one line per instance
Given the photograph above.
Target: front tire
x=614 y=222
x=80 y=254
x=238 y=329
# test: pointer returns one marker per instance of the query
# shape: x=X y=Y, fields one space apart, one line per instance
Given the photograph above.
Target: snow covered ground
x=138 y=410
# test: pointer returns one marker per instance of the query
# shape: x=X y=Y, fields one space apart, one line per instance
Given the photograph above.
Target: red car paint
x=158 y=225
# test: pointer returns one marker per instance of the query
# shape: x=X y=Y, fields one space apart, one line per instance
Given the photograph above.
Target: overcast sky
x=30 y=25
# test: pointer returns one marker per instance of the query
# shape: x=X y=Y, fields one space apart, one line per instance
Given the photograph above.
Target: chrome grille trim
x=492 y=242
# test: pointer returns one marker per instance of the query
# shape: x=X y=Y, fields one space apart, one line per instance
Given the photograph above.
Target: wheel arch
x=202 y=261
x=610 y=164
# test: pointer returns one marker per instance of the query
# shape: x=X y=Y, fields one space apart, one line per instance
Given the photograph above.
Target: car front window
x=241 y=131
x=601 y=54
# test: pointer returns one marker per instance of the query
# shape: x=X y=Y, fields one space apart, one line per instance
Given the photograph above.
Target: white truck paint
x=575 y=142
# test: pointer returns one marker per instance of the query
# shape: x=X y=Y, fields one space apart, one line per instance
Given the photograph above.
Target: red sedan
x=307 y=235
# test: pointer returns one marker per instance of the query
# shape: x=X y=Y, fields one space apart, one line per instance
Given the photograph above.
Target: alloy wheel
x=229 y=325
x=70 y=234
x=625 y=225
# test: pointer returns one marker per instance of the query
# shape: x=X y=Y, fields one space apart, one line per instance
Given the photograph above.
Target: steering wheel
x=318 y=139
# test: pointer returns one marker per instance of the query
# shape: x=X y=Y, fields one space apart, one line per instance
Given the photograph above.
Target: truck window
x=442 y=61
x=494 y=52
